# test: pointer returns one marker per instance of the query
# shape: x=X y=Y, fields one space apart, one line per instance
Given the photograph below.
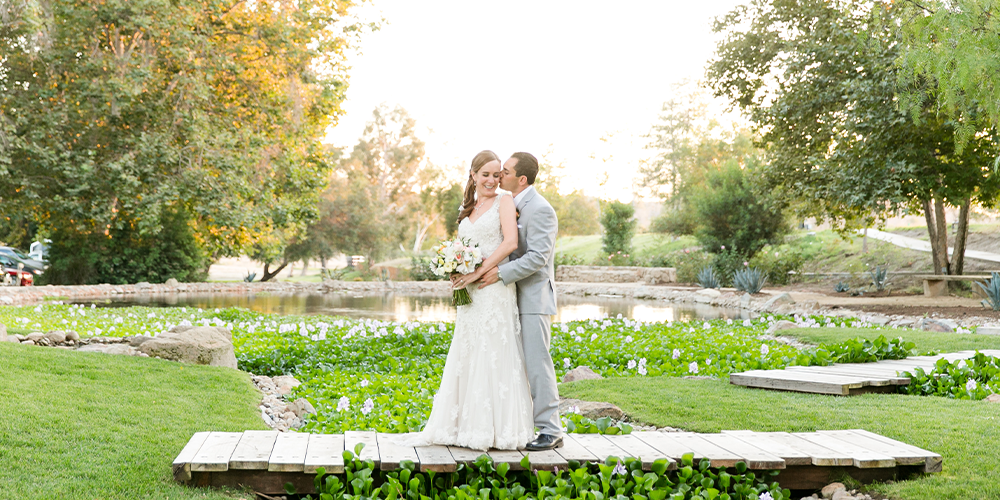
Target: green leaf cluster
x=973 y=378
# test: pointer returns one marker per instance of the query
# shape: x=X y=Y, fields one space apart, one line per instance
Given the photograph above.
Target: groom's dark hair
x=527 y=165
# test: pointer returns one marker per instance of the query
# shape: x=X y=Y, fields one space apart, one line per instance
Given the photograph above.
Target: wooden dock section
x=845 y=379
x=266 y=460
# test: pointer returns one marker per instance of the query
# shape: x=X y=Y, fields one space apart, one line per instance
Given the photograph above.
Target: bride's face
x=488 y=178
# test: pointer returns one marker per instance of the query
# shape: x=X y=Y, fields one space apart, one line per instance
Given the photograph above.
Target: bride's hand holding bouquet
x=458 y=256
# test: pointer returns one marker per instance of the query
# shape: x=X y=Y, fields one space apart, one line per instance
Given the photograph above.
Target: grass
x=925 y=341
x=80 y=425
x=965 y=433
x=588 y=248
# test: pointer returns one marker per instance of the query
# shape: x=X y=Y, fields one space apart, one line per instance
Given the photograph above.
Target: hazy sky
x=538 y=76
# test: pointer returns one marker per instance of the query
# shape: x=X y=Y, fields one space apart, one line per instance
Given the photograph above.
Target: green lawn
x=965 y=433
x=588 y=248
x=75 y=425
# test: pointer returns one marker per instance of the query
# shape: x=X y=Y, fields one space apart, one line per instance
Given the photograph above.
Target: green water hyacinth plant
x=707 y=277
x=613 y=479
x=992 y=290
x=973 y=378
x=749 y=280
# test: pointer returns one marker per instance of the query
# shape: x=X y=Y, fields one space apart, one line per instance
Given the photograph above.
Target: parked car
x=20 y=256
x=10 y=276
x=9 y=262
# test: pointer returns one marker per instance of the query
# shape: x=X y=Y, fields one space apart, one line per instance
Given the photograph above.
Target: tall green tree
x=619 y=223
x=115 y=115
x=819 y=83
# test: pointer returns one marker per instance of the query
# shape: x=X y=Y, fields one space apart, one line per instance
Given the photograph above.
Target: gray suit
x=531 y=266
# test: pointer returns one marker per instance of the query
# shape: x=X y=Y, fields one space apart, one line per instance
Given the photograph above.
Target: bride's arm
x=508 y=226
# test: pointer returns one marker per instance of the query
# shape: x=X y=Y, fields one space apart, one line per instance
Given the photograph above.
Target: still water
x=398 y=307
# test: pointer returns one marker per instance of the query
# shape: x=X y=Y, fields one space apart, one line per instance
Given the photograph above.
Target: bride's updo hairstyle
x=478 y=161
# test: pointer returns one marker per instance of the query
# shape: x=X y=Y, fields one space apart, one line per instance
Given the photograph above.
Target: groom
x=531 y=267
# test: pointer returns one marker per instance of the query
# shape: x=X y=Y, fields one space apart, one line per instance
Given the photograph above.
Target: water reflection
x=397 y=307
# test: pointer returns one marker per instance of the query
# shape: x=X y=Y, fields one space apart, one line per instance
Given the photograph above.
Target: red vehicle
x=10 y=277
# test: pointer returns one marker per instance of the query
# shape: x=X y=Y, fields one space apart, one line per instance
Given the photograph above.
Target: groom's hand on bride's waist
x=489 y=277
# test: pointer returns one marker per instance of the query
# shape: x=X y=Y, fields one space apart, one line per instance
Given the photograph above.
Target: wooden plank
x=754 y=457
x=635 y=447
x=370 y=451
x=182 y=464
x=863 y=458
x=797 y=382
x=391 y=454
x=875 y=376
x=253 y=450
x=465 y=455
x=932 y=461
x=326 y=451
x=791 y=456
x=902 y=456
x=599 y=446
x=435 y=459
x=572 y=450
x=512 y=457
x=289 y=453
x=546 y=460
x=719 y=456
x=214 y=454
x=670 y=447
x=820 y=455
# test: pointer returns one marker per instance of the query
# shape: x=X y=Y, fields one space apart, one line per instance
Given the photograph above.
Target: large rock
x=285 y=384
x=781 y=325
x=201 y=345
x=35 y=336
x=778 y=300
x=56 y=336
x=138 y=340
x=879 y=320
x=171 y=282
x=300 y=407
x=591 y=409
x=988 y=330
x=706 y=295
x=72 y=335
x=581 y=373
x=110 y=349
x=832 y=488
x=933 y=325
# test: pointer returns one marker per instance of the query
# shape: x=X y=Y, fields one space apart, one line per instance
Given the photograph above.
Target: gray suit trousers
x=536 y=335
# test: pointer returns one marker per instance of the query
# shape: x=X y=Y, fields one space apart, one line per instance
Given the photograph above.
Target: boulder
x=830 y=489
x=903 y=323
x=28 y=342
x=591 y=409
x=988 y=330
x=745 y=301
x=19 y=337
x=3 y=332
x=171 y=282
x=933 y=325
x=581 y=373
x=56 y=337
x=35 y=336
x=781 y=325
x=778 y=300
x=202 y=345
x=879 y=320
x=110 y=349
x=300 y=407
x=285 y=384
x=706 y=295
x=993 y=398
x=842 y=495
x=12 y=340
x=138 y=340
x=72 y=335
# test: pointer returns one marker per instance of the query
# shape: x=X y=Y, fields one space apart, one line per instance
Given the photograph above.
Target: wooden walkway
x=266 y=460
x=845 y=379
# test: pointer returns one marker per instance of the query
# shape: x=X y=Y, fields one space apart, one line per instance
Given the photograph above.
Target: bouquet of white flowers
x=457 y=256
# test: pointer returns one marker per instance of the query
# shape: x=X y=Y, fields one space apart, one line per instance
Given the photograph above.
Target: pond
x=399 y=307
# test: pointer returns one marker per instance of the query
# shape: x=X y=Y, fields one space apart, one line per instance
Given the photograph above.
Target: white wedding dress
x=484 y=401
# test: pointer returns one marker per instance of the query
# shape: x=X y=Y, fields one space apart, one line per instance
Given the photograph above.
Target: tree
x=619 y=223
x=114 y=116
x=818 y=81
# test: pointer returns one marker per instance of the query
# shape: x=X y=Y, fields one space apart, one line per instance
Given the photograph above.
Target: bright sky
x=581 y=80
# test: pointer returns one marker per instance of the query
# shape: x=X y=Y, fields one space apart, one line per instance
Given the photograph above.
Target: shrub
x=420 y=270
x=778 y=261
x=689 y=263
x=992 y=290
x=707 y=277
x=125 y=255
x=677 y=222
x=619 y=228
x=750 y=280
x=567 y=259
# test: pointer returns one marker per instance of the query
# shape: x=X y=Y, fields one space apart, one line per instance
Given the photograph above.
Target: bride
x=484 y=400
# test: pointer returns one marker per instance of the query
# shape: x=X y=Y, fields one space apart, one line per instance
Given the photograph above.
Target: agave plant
x=841 y=287
x=249 y=277
x=992 y=290
x=707 y=277
x=880 y=277
x=750 y=280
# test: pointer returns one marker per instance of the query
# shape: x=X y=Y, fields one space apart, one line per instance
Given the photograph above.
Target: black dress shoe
x=544 y=442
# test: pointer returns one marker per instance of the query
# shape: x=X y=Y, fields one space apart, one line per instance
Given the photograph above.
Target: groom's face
x=508 y=176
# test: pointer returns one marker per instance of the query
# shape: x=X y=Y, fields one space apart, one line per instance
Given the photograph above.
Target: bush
x=778 y=261
x=731 y=217
x=689 y=263
x=567 y=259
x=677 y=222
x=619 y=223
x=420 y=270
x=124 y=255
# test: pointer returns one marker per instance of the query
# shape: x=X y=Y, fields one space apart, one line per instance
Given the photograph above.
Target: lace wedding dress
x=484 y=401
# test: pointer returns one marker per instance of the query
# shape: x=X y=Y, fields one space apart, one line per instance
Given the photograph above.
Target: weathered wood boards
x=844 y=379
x=266 y=459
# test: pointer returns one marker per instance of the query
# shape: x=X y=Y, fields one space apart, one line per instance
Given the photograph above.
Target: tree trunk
x=305 y=267
x=422 y=227
x=268 y=274
x=932 y=233
x=942 y=233
x=961 y=236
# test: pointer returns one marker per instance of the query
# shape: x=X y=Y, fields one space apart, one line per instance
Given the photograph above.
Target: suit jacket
x=532 y=264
